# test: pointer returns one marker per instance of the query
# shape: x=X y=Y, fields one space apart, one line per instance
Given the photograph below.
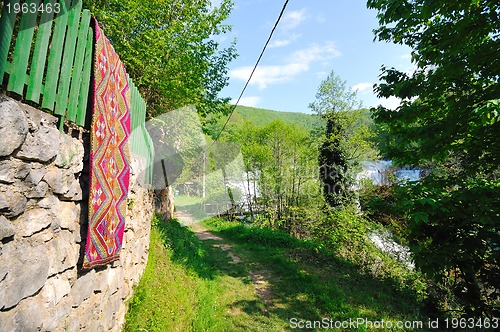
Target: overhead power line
x=251 y=74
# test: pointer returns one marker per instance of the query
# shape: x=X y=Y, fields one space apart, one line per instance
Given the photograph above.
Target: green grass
x=311 y=283
x=190 y=285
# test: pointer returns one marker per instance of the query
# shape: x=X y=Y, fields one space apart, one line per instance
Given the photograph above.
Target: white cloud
x=250 y=101
x=315 y=53
x=267 y=75
x=297 y=63
x=362 y=87
x=292 y=19
x=390 y=103
x=285 y=41
x=279 y=43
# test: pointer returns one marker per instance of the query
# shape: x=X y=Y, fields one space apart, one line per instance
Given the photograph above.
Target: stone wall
x=43 y=228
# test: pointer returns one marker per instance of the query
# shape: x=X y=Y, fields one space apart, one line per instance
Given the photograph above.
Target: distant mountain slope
x=262 y=117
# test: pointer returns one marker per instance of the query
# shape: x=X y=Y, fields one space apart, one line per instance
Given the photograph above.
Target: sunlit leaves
x=448 y=122
x=169 y=49
x=457 y=71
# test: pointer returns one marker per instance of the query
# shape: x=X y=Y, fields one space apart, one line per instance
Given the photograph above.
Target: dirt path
x=259 y=277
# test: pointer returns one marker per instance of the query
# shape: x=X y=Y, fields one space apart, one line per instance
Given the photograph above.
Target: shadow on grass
x=311 y=284
x=304 y=283
x=200 y=257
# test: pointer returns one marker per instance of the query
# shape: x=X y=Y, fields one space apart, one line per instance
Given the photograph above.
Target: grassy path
x=259 y=277
x=220 y=276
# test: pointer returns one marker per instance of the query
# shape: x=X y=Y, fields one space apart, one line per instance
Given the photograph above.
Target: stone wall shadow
x=84 y=205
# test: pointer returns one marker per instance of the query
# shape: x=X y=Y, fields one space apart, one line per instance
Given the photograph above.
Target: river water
x=379 y=172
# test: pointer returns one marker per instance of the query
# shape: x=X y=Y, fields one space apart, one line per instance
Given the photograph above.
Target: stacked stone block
x=43 y=225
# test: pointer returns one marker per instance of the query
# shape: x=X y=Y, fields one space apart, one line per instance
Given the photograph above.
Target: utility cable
x=251 y=74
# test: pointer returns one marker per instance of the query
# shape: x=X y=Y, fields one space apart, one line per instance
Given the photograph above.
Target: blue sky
x=313 y=38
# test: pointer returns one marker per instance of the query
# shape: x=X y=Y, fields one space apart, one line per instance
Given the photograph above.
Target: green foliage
x=279 y=161
x=265 y=236
x=455 y=48
x=260 y=118
x=335 y=171
x=345 y=140
x=169 y=49
x=190 y=285
x=334 y=96
x=343 y=231
x=325 y=274
x=448 y=123
x=378 y=203
x=458 y=221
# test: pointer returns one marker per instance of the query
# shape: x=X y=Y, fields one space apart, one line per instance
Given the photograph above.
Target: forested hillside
x=262 y=117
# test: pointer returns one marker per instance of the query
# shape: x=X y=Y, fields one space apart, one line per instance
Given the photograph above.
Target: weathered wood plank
x=55 y=56
x=7 y=29
x=68 y=57
x=40 y=55
x=76 y=78
x=22 y=50
x=86 y=78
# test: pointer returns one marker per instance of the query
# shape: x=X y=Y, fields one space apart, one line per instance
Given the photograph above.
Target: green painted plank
x=68 y=57
x=133 y=116
x=137 y=142
x=6 y=30
x=133 y=139
x=140 y=119
x=22 y=50
x=132 y=102
x=146 y=143
x=40 y=55
x=85 y=86
x=137 y=110
x=133 y=110
x=133 y=107
x=138 y=122
x=143 y=114
x=76 y=79
x=142 y=110
x=143 y=118
x=140 y=141
x=55 y=56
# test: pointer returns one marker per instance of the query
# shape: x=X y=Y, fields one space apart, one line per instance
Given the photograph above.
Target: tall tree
x=449 y=116
x=334 y=102
x=169 y=48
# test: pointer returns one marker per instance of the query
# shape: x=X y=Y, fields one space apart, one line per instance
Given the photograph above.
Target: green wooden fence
x=46 y=58
x=51 y=55
x=140 y=141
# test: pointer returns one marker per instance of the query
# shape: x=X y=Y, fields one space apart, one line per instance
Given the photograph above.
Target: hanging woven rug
x=109 y=156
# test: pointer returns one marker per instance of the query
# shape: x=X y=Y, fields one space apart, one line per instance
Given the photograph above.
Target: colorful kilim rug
x=109 y=156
